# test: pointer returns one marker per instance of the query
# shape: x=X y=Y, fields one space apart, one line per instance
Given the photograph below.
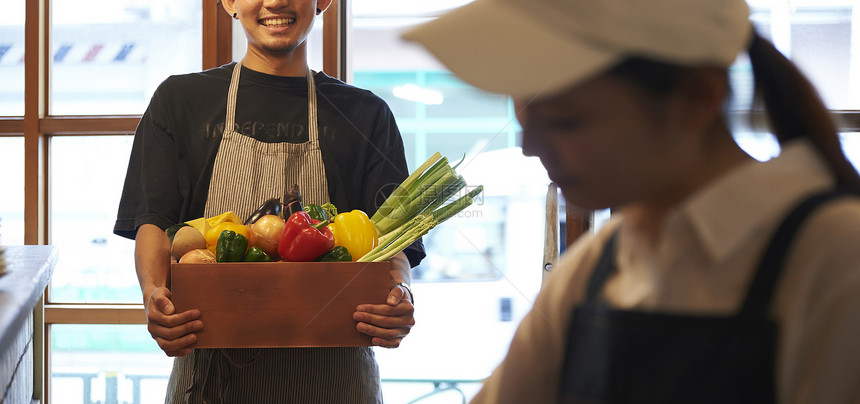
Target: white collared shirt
x=707 y=252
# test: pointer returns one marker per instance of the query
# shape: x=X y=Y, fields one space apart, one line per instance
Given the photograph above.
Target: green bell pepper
x=256 y=254
x=231 y=247
x=315 y=212
x=336 y=254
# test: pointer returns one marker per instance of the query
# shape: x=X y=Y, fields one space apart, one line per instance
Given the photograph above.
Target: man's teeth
x=278 y=22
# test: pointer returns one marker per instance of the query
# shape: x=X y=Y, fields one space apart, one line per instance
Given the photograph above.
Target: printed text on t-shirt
x=266 y=132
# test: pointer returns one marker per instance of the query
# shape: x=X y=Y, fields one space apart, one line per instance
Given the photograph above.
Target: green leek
x=424 y=195
x=418 y=205
x=402 y=189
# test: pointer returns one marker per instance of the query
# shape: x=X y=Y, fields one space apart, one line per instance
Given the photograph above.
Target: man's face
x=276 y=27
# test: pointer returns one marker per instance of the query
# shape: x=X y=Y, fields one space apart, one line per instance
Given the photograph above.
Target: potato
x=186 y=239
x=198 y=256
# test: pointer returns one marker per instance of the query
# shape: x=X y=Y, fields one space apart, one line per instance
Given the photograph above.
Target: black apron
x=623 y=356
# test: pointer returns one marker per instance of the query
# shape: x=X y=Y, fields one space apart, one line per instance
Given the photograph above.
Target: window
x=107 y=364
x=823 y=39
x=12 y=59
x=490 y=252
x=851 y=147
x=97 y=266
x=93 y=54
x=12 y=196
x=106 y=59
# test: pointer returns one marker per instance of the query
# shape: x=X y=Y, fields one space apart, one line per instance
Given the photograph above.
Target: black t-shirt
x=178 y=137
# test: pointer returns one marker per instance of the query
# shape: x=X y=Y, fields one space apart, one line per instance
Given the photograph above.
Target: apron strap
x=770 y=267
x=313 y=128
x=313 y=125
x=605 y=267
x=761 y=289
x=230 y=120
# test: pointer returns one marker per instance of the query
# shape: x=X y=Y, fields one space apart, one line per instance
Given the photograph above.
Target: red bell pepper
x=304 y=239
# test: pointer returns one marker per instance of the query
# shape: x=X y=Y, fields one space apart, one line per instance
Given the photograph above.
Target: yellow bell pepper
x=355 y=231
x=228 y=216
x=212 y=235
x=200 y=224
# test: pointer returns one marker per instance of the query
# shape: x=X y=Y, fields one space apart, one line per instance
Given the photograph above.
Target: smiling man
x=276 y=35
x=229 y=138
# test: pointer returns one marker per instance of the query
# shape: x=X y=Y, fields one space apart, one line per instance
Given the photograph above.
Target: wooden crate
x=278 y=304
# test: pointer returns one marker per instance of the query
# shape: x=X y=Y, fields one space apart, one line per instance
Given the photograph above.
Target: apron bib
x=625 y=356
x=246 y=173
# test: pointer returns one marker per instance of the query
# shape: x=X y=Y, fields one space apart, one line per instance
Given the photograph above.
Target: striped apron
x=246 y=173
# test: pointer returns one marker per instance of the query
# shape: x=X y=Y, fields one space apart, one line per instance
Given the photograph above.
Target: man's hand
x=387 y=323
x=173 y=332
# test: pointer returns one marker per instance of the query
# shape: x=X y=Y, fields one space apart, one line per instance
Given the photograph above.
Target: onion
x=198 y=256
x=266 y=233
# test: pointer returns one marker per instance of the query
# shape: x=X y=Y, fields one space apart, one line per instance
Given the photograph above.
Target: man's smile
x=277 y=22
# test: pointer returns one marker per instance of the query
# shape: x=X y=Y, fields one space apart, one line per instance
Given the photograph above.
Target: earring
x=319 y=11
x=234 y=15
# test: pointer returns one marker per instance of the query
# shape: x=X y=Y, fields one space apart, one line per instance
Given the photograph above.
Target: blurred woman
x=719 y=278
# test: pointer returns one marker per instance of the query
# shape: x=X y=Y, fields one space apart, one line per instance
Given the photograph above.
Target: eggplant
x=270 y=207
x=292 y=202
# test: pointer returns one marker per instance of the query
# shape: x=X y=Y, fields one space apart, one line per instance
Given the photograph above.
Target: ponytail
x=795 y=110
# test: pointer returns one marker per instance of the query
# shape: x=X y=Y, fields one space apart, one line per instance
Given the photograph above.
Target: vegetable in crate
x=215 y=232
x=186 y=239
x=326 y=211
x=269 y=207
x=417 y=205
x=337 y=254
x=256 y=254
x=304 y=239
x=228 y=216
x=316 y=212
x=292 y=202
x=231 y=247
x=355 y=231
x=266 y=233
x=171 y=231
x=200 y=256
x=201 y=224
x=330 y=210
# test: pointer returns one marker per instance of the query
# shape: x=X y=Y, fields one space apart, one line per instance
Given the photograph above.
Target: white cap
x=529 y=47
